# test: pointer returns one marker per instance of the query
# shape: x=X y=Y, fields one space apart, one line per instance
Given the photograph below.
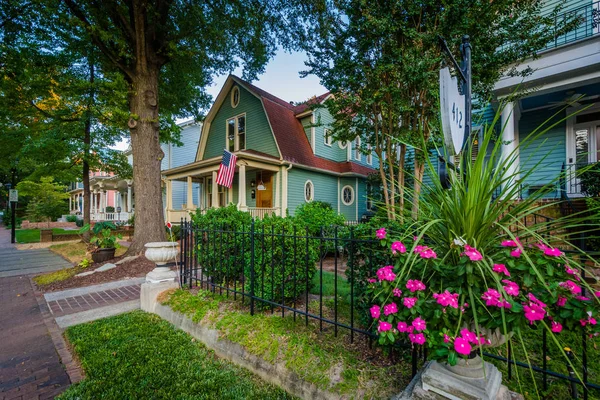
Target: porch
x=111 y=199
x=256 y=189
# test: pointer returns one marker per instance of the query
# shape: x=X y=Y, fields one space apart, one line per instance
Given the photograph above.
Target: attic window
x=328 y=137
x=235 y=96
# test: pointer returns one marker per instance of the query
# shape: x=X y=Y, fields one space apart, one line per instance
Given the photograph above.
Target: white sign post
x=453 y=112
x=13 y=195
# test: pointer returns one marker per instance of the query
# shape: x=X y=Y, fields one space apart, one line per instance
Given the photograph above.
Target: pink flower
x=417 y=338
x=562 y=300
x=573 y=272
x=534 y=312
x=511 y=243
x=402 y=326
x=553 y=252
x=397 y=292
x=415 y=285
x=516 y=252
x=386 y=273
x=556 y=327
x=501 y=269
x=425 y=252
x=391 y=308
x=372 y=280
x=582 y=298
x=409 y=302
x=535 y=300
x=472 y=253
x=398 y=247
x=571 y=286
x=375 y=311
x=419 y=324
x=504 y=304
x=447 y=299
x=446 y=338
x=511 y=288
x=592 y=321
x=384 y=326
x=491 y=297
x=380 y=233
x=597 y=294
x=462 y=346
x=468 y=335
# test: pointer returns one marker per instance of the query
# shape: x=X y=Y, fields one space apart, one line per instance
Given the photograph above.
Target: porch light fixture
x=252 y=183
x=261 y=185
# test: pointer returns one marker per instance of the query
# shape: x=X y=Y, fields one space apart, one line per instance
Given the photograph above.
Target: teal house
x=285 y=158
x=564 y=88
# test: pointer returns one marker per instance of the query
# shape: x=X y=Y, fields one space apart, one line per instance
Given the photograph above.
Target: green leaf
x=452 y=358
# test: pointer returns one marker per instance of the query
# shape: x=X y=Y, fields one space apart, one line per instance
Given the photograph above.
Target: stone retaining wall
x=46 y=225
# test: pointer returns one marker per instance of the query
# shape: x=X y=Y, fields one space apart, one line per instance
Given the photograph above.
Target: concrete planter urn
x=161 y=253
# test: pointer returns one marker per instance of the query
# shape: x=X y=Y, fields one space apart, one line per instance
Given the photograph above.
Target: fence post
x=181 y=255
x=252 y=276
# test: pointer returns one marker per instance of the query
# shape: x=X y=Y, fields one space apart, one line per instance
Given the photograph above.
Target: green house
x=285 y=157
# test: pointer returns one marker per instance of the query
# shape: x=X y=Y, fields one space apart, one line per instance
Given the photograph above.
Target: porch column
x=510 y=139
x=102 y=200
x=242 y=187
x=277 y=189
x=129 y=197
x=81 y=204
x=169 y=195
x=70 y=203
x=190 y=194
x=93 y=203
x=215 y=190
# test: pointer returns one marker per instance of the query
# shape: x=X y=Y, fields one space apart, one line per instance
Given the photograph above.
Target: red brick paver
x=93 y=300
x=30 y=367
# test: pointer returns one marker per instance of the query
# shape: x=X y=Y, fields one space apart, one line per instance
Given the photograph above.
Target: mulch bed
x=132 y=269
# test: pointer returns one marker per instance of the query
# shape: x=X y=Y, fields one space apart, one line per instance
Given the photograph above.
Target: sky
x=281 y=78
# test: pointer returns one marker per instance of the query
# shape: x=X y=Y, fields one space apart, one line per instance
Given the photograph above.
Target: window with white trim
x=327 y=138
x=309 y=191
x=343 y=144
x=235 y=96
x=357 y=149
x=347 y=195
x=369 y=155
x=236 y=133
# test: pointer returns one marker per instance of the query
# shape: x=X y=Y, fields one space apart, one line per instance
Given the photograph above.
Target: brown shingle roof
x=290 y=136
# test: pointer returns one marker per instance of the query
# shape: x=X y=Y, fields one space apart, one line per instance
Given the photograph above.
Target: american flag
x=226 y=169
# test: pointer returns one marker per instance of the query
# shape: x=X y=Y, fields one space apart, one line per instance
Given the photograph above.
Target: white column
x=93 y=202
x=215 y=190
x=169 y=195
x=277 y=189
x=129 y=198
x=102 y=200
x=190 y=193
x=70 y=203
x=510 y=139
x=82 y=204
x=242 y=187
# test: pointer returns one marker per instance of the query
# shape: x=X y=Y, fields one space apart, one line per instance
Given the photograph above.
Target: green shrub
x=71 y=218
x=317 y=215
x=590 y=180
x=284 y=265
x=109 y=209
x=79 y=223
x=174 y=234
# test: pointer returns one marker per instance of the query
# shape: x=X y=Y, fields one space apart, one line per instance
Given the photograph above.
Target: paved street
x=30 y=367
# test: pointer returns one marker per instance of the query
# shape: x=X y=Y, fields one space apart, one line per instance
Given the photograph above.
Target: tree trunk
x=401 y=181
x=419 y=169
x=147 y=156
x=87 y=196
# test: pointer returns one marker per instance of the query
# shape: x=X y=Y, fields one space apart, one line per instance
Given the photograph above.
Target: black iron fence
x=322 y=278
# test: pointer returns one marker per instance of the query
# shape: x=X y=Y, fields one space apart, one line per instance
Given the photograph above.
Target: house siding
x=324 y=120
x=325 y=188
x=259 y=136
x=547 y=149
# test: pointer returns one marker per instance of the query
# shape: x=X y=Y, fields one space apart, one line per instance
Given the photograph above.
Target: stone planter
x=102 y=255
x=161 y=253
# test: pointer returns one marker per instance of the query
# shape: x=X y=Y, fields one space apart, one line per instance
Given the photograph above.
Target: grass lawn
x=140 y=356
x=33 y=235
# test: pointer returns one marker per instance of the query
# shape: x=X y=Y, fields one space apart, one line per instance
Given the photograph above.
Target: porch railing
x=589 y=24
x=570 y=180
x=111 y=216
x=261 y=212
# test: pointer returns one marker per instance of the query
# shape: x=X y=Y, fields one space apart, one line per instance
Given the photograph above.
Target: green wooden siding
x=349 y=212
x=548 y=149
x=325 y=188
x=324 y=120
x=258 y=132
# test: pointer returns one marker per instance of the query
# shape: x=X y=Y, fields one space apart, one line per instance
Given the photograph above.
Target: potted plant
x=104 y=239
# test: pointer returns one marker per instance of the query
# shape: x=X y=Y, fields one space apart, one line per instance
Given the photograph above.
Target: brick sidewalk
x=75 y=304
x=30 y=367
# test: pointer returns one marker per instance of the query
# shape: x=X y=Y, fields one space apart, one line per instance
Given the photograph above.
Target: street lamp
x=13 y=170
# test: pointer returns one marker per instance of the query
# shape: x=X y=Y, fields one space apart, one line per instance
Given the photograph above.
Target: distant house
x=176 y=156
x=112 y=197
x=286 y=157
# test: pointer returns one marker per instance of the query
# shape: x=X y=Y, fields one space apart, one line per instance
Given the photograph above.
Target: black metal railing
x=588 y=17
x=273 y=271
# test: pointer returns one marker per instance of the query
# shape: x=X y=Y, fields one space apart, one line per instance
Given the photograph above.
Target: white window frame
x=352 y=193
x=343 y=144
x=236 y=139
x=235 y=89
x=327 y=139
x=357 y=148
x=312 y=191
x=369 y=155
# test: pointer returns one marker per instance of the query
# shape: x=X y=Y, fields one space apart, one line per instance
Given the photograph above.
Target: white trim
x=236 y=139
x=356 y=200
x=338 y=190
x=349 y=203
x=357 y=144
x=313 y=143
x=343 y=144
x=312 y=191
x=233 y=90
x=370 y=155
x=327 y=140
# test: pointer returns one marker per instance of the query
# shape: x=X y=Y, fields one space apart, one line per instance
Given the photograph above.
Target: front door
x=264 y=198
x=583 y=148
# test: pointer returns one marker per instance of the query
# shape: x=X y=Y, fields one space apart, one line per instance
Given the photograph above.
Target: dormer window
x=357 y=149
x=369 y=155
x=236 y=133
x=327 y=137
x=235 y=97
